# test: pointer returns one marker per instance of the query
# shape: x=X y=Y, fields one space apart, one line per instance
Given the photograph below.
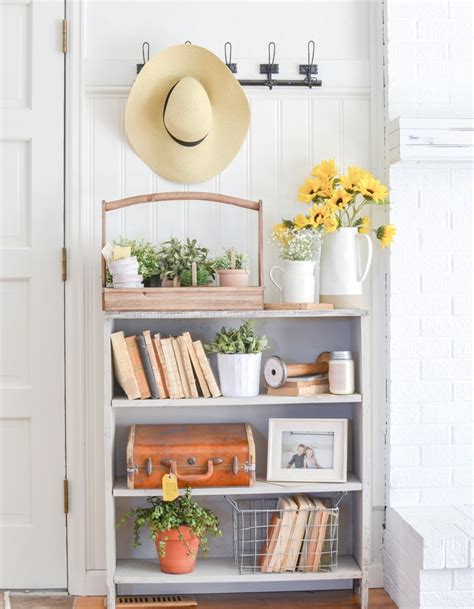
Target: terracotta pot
x=170 y=283
x=233 y=278
x=180 y=556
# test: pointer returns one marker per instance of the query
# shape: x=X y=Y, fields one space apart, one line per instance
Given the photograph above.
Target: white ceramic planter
x=298 y=282
x=342 y=272
x=239 y=374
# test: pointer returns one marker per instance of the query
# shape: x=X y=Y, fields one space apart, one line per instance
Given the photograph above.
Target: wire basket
x=270 y=537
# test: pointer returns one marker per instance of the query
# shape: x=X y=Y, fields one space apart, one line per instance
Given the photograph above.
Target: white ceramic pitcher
x=342 y=273
x=298 y=280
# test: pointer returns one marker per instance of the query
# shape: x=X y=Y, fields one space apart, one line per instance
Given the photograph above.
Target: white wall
x=430 y=451
x=290 y=130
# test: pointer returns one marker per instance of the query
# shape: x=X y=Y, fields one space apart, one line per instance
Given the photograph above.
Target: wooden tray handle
x=187 y=196
x=194 y=477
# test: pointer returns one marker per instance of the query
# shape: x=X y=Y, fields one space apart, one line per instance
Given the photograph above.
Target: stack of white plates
x=125 y=273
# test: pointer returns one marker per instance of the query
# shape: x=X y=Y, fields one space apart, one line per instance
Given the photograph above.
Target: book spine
x=138 y=367
x=188 y=369
x=206 y=368
x=181 y=370
x=162 y=363
x=174 y=387
x=123 y=369
x=196 y=365
x=154 y=364
x=150 y=377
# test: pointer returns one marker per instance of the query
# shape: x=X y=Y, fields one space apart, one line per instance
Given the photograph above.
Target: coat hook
x=271 y=67
x=310 y=68
x=145 y=45
x=228 y=60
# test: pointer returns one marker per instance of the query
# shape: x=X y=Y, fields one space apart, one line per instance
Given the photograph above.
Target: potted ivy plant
x=179 y=529
x=233 y=269
x=239 y=358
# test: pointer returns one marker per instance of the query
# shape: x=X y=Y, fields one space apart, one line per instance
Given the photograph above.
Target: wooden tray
x=184 y=299
x=299 y=306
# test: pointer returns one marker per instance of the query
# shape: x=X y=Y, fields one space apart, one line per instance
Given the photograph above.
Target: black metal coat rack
x=309 y=69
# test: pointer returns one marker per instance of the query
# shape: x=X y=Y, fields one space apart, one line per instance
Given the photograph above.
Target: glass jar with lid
x=341 y=373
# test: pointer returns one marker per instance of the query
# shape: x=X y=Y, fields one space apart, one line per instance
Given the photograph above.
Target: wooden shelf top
x=222 y=570
x=231 y=314
x=261 y=487
x=259 y=400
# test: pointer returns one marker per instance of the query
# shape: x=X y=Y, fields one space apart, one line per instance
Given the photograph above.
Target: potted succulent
x=147 y=257
x=175 y=260
x=179 y=529
x=233 y=269
x=239 y=358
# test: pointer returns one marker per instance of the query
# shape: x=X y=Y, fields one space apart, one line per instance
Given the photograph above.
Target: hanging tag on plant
x=169 y=483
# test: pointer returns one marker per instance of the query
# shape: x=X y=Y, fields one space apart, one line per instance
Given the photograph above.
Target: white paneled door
x=32 y=411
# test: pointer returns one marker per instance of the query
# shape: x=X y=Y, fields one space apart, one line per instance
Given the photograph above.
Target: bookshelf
x=296 y=335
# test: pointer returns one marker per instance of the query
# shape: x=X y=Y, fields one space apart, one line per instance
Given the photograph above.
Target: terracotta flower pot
x=170 y=283
x=181 y=550
x=233 y=278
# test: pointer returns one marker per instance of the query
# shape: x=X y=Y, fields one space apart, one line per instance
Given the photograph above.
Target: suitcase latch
x=132 y=469
x=249 y=467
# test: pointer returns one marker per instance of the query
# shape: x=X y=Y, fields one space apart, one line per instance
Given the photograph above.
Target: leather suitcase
x=199 y=455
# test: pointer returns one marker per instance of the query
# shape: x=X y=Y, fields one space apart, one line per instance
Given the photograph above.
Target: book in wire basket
x=287 y=534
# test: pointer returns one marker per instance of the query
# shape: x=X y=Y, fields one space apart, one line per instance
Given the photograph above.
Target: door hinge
x=65 y=41
x=66 y=495
x=64 y=263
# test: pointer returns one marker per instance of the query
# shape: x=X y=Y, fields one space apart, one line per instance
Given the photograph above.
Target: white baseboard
x=96 y=583
x=376 y=575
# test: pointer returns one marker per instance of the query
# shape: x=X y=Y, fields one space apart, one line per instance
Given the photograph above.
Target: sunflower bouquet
x=336 y=200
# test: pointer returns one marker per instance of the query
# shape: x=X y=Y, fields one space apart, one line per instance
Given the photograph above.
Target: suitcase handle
x=192 y=477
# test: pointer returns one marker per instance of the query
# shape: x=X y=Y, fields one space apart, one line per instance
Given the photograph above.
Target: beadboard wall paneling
x=289 y=133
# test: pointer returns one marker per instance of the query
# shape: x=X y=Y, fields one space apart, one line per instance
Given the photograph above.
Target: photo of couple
x=307 y=450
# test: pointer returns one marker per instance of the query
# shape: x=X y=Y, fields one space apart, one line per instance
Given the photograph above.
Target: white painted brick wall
x=431 y=260
x=430 y=436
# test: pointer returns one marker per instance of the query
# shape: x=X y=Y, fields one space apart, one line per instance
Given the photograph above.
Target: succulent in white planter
x=239 y=358
x=233 y=269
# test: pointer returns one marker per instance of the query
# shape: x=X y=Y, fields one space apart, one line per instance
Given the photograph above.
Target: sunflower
x=385 y=234
x=326 y=188
x=371 y=188
x=331 y=223
x=301 y=221
x=320 y=213
x=326 y=170
x=309 y=190
x=340 y=198
x=354 y=174
x=364 y=225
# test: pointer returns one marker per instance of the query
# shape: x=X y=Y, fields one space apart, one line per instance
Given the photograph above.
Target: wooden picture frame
x=307 y=450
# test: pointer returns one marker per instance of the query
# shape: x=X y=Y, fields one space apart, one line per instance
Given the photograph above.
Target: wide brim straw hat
x=187 y=116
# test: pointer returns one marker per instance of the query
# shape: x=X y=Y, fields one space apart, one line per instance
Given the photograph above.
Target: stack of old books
x=301 y=536
x=147 y=366
x=302 y=386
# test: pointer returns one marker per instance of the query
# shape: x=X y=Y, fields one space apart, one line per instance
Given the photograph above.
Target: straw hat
x=187 y=116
